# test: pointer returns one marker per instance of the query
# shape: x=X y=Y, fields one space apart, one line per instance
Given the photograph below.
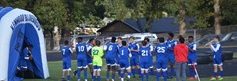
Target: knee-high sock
x=68 y=77
x=214 y=74
x=142 y=76
x=133 y=72
x=165 y=75
x=107 y=74
x=158 y=76
x=191 y=71
x=98 y=78
x=221 y=73
x=113 y=75
x=85 y=73
x=78 y=73
x=147 y=76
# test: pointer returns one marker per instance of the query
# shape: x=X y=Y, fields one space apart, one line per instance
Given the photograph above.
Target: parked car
x=140 y=36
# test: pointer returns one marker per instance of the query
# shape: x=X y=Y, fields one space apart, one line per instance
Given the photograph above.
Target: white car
x=141 y=36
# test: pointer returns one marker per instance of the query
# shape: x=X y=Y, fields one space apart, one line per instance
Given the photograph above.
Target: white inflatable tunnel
x=16 y=27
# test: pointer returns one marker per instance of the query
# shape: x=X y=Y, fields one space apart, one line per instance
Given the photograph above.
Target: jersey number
x=144 y=53
x=110 y=48
x=160 y=49
x=81 y=48
x=95 y=52
x=122 y=52
x=63 y=51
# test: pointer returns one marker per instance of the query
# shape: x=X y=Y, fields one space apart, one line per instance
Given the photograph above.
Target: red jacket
x=181 y=53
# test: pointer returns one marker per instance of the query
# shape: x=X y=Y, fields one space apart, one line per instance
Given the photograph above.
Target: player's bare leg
x=108 y=72
x=214 y=73
x=220 y=77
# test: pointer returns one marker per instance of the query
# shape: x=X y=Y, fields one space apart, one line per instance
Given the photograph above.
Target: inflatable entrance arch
x=17 y=26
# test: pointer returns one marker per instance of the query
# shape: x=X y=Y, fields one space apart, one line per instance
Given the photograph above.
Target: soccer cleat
x=122 y=79
x=213 y=78
x=85 y=79
x=220 y=78
x=191 y=78
x=112 y=79
x=78 y=79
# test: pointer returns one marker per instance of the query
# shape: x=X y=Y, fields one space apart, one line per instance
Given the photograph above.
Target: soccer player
x=89 y=57
x=162 y=60
x=171 y=44
x=134 y=61
x=192 y=57
x=217 y=59
x=151 y=58
x=144 y=55
x=124 y=55
x=81 y=50
x=97 y=54
x=111 y=58
x=66 y=53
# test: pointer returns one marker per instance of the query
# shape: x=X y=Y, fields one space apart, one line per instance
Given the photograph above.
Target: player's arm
x=194 y=48
x=88 y=48
x=130 y=54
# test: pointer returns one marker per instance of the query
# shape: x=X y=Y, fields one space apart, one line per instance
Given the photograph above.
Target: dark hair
x=190 y=36
x=171 y=34
x=66 y=42
x=144 y=43
x=97 y=42
x=120 y=38
x=218 y=37
x=161 y=39
x=131 y=37
x=146 y=39
x=30 y=45
x=90 y=40
x=79 y=39
x=124 y=43
x=181 y=39
x=113 y=39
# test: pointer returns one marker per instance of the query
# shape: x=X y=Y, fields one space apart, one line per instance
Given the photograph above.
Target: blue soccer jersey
x=111 y=54
x=89 y=59
x=145 y=55
x=192 y=57
x=81 y=50
x=171 y=44
x=66 y=53
x=134 y=59
x=217 y=54
x=162 y=60
x=124 y=54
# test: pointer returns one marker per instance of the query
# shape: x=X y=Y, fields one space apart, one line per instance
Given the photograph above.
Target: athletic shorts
x=162 y=63
x=97 y=62
x=192 y=59
x=82 y=62
x=134 y=61
x=171 y=58
x=144 y=64
x=217 y=61
x=111 y=61
x=124 y=64
x=67 y=65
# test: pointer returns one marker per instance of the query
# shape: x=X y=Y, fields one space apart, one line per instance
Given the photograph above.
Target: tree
x=217 y=24
x=182 y=12
x=52 y=14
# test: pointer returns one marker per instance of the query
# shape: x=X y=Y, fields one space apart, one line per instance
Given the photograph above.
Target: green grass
x=55 y=70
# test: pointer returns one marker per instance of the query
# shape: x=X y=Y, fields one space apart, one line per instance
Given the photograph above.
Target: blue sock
x=172 y=72
x=113 y=76
x=165 y=75
x=93 y=78
x=129 y=74
x=85 y=73
x=147 y=76
x=158 y=76
x=107 y=74
x=142 y=76
x=122 y=74
x=78 y=74
x=133 y=72
x=98 y=78
x=214 y=74
x=221 y=73
x=68 y=77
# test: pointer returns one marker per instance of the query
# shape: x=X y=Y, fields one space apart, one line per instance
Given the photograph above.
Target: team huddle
x=130 y=58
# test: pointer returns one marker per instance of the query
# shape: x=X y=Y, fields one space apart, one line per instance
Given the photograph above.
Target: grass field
x=55 y=70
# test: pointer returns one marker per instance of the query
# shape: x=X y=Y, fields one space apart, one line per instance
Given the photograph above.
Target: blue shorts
x=89 y=60
x=171 y=58
x=162 y=63
x=151 y=62
x=217 y=61
x=124 y=64
x=81 y=62
x=144 y=64
x=192 y=59
x=67 y=64
x=111 y=61
x=134 y=61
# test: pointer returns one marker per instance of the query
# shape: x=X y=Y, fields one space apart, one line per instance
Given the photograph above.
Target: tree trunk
x=57 y=38
x=217 y=17
x=182 y=24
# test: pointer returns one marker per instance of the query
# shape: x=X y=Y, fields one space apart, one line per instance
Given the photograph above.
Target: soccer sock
x=142 y=76
x=98 y=78
x=93 y=78
x=107 y=74
x=68 y=77
x=129 y=74
x=158 y=76
x=214 y=74
x=172 y=71
x=221 y=73
x=147 y=76
x=113 y=76
x=85 y=73
x=165 y=75
x=78 y=73
x=133 y=72
x=191 y=70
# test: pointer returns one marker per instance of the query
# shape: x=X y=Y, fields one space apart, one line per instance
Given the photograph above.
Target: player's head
x=146 y=39
x=66 y=42
x=217 y=38
x=113 y=39
x=161 y=39
x=181 y=39
x=171 y=35
x=120 y=39
x=91 y=40
x=97 y=43
x=144 y=43
x=124 y=43
x=190 y=38
x=79 y=39
x=131 y=39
